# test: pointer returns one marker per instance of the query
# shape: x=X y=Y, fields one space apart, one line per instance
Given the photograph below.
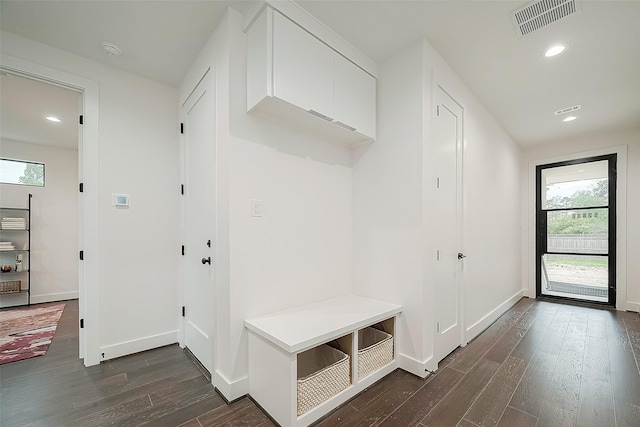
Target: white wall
x=627 y=143
x=389 y=234
x=299 y=251
x=54 y=218
x=391 y=205
x=138 y=151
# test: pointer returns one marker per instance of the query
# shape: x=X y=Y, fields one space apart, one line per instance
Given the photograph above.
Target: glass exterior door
x=576 y=229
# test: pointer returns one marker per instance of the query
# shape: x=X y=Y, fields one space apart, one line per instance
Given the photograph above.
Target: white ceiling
x=158 y=39
x=599 y=70
x=24 y=104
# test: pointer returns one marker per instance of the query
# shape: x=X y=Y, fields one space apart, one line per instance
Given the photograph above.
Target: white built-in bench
x=276 y=340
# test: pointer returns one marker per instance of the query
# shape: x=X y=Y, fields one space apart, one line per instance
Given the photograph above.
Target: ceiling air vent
x=539 y=14
x=567 y=110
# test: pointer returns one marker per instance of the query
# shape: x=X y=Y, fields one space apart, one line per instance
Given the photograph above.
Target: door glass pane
x=576 y=276
x=582 y=231
x=576 y=186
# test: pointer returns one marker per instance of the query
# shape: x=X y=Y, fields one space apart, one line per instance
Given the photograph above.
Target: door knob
x=206 y=260
x=461 y=255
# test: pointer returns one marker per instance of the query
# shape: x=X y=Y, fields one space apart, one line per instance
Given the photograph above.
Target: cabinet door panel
x=302 y=68
x=354 y=97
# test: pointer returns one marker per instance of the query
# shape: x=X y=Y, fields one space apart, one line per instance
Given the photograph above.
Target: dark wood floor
x=541 y=364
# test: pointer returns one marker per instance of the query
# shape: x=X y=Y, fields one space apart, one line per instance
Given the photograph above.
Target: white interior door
x=199 y=146
x=447 y=226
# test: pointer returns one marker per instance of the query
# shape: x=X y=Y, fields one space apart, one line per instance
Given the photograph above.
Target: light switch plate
x=256 y=208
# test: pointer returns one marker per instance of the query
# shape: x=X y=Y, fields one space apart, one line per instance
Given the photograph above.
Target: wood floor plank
x=556 y=333
x=380 y=389
x=180 y=415
x=176 y=409
x=454 y=405
x=371 y=412
x=416 y=408
x=597 y=324
x=134 y=379
x=528 y=345
x=634 y=339
x=556 y=416
x=191 y=423
x=112 y=414
x=489 y=406
x=632 y=321
x=464 y=358
x=508 y=342
x=465 y=423
x=170 y=385
x=514 y=418
x=625 y=376
x=560 y=406
x=337 y=417
x=627 y=415
x=537 y=380
x=595 y=407
x=241 y=412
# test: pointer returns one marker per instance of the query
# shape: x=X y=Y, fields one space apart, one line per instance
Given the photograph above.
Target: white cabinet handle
x=344 y=125
x=322 y=116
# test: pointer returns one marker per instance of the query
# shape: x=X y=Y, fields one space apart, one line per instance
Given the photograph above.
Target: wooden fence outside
x=589 y=243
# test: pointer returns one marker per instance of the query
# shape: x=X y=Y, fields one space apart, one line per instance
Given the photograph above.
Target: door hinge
x=182 y=189
x=81 y=119
x=81 y=323
x=81 y=255
x=184 y=311
x=181 y=128
x=182 y=250
x=438 y=182
x=81 y=187
x=437 y=255
x=438 y=327
x=438 y=110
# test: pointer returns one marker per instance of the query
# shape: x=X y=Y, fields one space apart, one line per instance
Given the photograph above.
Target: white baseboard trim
x=231 y=390
x=138 y=345
x=59 y=296
x=632 y=306
x=416 y=367
x=482 y=324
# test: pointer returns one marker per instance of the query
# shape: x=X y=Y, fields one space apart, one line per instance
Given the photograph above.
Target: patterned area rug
x=27 y=332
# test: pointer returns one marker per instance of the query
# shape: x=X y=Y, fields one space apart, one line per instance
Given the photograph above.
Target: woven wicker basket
x=375 y=350
x=323 y=372
x=10 y=287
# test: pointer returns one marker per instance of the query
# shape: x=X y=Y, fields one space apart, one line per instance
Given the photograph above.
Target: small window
x=21 y=172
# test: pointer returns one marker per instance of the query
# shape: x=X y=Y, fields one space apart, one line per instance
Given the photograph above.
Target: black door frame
x=541 y=224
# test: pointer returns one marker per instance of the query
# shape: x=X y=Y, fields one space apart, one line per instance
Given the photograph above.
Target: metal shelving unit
x=11 y=299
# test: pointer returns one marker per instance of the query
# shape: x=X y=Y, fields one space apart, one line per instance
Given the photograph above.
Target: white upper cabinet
x=294 y=76
x=302 y=68
x=354 y=97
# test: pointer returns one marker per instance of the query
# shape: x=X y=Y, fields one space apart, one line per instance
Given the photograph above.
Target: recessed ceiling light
x=53 y=119
x=111 y=49
x=554 y=50
x=569 y=119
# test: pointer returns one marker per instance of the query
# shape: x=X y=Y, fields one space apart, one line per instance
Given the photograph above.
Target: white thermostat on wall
x=121 y=200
